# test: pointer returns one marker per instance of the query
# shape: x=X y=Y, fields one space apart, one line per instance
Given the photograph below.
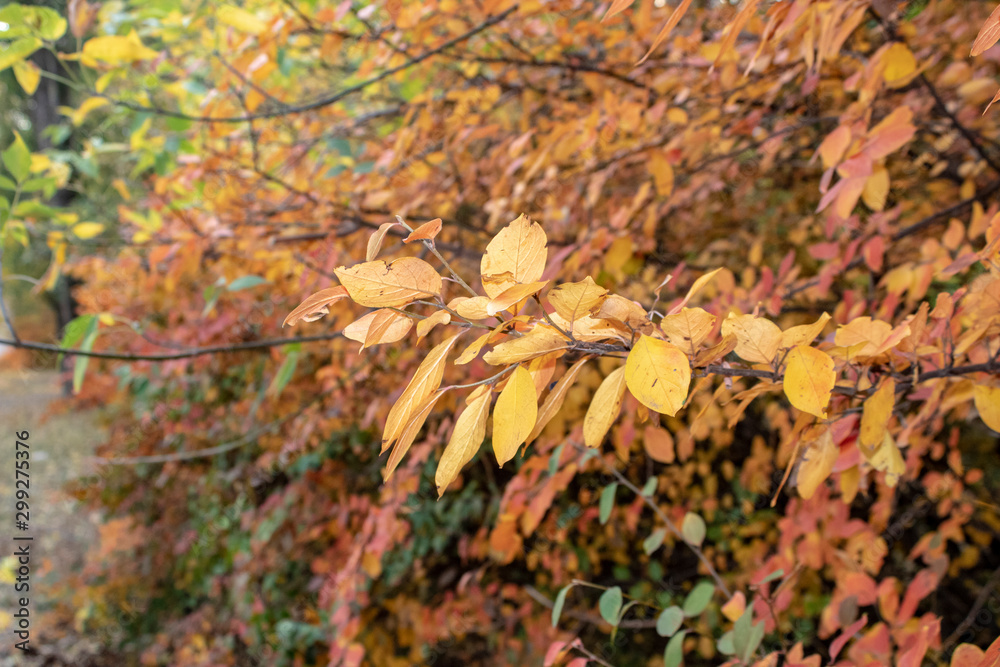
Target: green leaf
x=698 y=598
x=34 y=209
x=43 y=22
x=777 y=574
x=610 y=604
x=7 y=184
x=746 y=636
x=18 y=51
x=673 y=656
x=245 y=282
x=693 y=529
x=650 y=487
x=80 y=369
x=725 y=644
x=607 y=501
x=558 y=606
x=17 y=158
x=653 y=542
x=286 y=371
x=669 y=621
x=74 y=331
x=554 y=459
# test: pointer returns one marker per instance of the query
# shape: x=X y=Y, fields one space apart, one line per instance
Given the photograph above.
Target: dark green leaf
x=607 y=501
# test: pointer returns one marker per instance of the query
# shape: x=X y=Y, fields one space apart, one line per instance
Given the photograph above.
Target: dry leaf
x=516 y=254
x=535 y=343
x=688 y=328
x=376 y=239
x=817 y=464
x=379 y=283
x=574 y=300
x=555 y=398
x=512 y=296
x=425 y=325
x=381 y=326
x=757 y=339
x=410 y=431
x=876 y=412
x=425 y=232
x=316 y=306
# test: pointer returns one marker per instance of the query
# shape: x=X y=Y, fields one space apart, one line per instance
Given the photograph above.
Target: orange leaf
x=988 y=34
x=316 y=306
x=425 y=232
x=671 y=23
x=617 y=7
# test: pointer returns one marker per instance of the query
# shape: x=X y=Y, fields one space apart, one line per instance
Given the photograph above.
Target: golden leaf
x=410 y=431
x=804 y=334
x=516 y=254
x=872 y=333
x=887 y=458
x=695 y=288
x=316 y=306
x=988 y=34
x=716 y=352
x=688 y=328
x=987 y=400
x=240 y=19
x=574 y=300
x=514 y=415
x=379 y=283
x=604 y=408
x=423 y=383
x=809 y=379
x=472 y=351
x=626 y=311
x=658 y=374
x=382 y=326
x=555 y=399
x=535 y=343
x=757 y=339
x=512 y=296
x=472 y=309
x=376 y=239
x=817 y=464
x=876 y=412
x=468 y=435
x=425 y=325
x=899 y=64
x=876 y=190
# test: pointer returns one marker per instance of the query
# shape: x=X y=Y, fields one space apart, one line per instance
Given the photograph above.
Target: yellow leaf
x=116 y=50
x=876 y=190
x=535 y=343
x=379 y=283
x=87 y=230
x=872 y=333
x=688 y=328
x=735 y=607
x=658 y=375
x=107 y=319
x=757 y=339
x=375 y=240
x=604 y=408
x=80 y=113
x=470 y=430
x=378 y=327
x=574 y=300
x=876 y=412
x=804 y=334
x=512 y=296
x=472 y=309
x=987 y=401
x=240 y=19
x=425 y=325
x=472 y=351
x=899 y=64
x=695 y=288
x=809 y=379
x=516 y=254
x=316 y=306
x=887 y=458
x=27 y=75
x=626 y=311
x=817 y=464
x=423 y=383
x=555 y=399
x=410 y=431
x=514 y=415
x=850 y=479
x=663 y=173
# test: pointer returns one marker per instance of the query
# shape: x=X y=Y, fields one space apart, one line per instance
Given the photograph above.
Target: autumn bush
x=616 y=333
